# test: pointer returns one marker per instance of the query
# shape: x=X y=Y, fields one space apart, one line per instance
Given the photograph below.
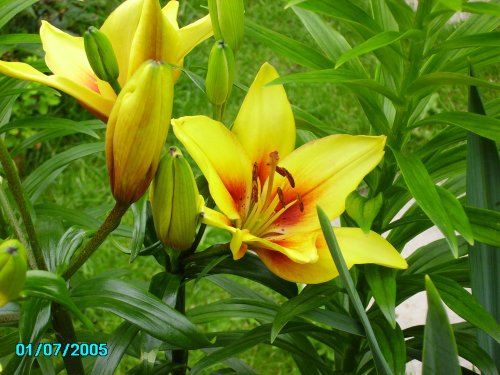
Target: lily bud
x=363 y=210
x=175 y=201
x=220 y=74
x=228 y=21
x=13 y=266
x=137 y=130
x=100 y=54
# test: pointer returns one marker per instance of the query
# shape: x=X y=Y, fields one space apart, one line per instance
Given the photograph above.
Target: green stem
x=218 y=112
x=110 y=224
x=17 y=191
x=116 y=86
x=180 y=357
x=16 y=226
x=65 y=334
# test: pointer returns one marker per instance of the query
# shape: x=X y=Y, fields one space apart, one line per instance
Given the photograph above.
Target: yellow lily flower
x=139 y=30
x=267 y=193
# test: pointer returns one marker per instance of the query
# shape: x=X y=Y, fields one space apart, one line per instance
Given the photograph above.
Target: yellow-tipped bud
x=220 y=74
x=175 y=201
x=228 y=21
x=100 y=54
x=13 y=266
x=137 y=130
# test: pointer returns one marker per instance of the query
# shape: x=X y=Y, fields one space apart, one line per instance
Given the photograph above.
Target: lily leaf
x=440 y=354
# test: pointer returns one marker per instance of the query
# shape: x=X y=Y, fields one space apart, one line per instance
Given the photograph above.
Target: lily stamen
x=283 y=172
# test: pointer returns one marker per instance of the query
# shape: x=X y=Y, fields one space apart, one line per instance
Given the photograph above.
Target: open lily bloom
x=139 y=30
x=267 y=193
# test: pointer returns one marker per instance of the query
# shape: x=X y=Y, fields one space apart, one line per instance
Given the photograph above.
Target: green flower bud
x=220 y=74
x=228 y=21
x=101 y=56
x=137 y=130
x=363 y=210
x=13 y=267
x=175 y=201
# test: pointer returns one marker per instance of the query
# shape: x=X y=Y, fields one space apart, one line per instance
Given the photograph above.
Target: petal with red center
x=65 y=56
x=221 y=159
x=325 y=172
x=299 y=249
x=265 y=121
x=92 y=100
x=356 y=246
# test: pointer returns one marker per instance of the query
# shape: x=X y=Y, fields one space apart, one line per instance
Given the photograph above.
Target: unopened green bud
x=220 y=73
x=13 y=267
x=228 y=21
x=137 y=130
x=100 y=54
x=363 y=210
x=175 y=201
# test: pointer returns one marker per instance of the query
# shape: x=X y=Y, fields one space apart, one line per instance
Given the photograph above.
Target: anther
x=281 y=197
x=283 y=172
x=301 y=204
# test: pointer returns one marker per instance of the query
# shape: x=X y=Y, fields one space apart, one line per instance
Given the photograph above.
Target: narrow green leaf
x=288 y=47
x=53 y=123
x=481 y=7
x=382 y=282
x=331 y=42
x=429 y=82
x=362 y=209
x=20 y=38
x=9 y=8
x=456 y=213
x=48 y=285
x=424 y=191
x=485 y=225
x=343 y=10
x=483 y=191
x=480 y=124
x=305 y=121
x=250 y=267
x=466 y=306
x=440 y=354
x=39 y=175
x=380 y=40
x=477 y=40
x=117 y=345
x=311 y=297
x=7 y=342
x=140 y=308
x=380 y=362
x=469 y=349
x=339 y=76
x=235 y=289
x=454 y=5
x=392 y=344
x=139 y=229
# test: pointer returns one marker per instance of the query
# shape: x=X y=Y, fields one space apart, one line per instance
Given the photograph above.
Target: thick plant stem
x=17 y=191
x=110 y=224
x=180 y=357
x=65 y=334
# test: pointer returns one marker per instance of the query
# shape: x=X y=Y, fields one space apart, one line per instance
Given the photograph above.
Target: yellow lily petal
x=265 y=121
x=120 y=28
x=221 y=159
x=356 y=246
x=154 y=38
x=92 y=100
x=325 y=171
x=170 y=11
x=216 y=219
x=65 y=56
x=192 y=35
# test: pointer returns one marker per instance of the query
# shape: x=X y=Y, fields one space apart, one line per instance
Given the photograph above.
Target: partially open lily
x=139 y=30
x=267 y=193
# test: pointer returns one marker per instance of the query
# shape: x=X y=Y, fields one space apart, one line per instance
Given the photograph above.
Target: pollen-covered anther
x=283 y=172
x=301 y=203
x=281 y=197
